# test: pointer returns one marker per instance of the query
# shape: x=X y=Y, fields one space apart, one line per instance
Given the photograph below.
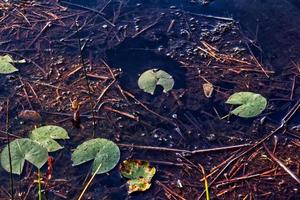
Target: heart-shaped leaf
x=21 y=150
x=104 y=152
x=46 y=136
x=139 y=174
x=150 y=78
x=6 y=66
x=251 y=104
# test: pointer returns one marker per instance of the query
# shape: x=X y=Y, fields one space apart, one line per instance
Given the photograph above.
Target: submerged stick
x=183 y=150
x=85 y=75
x=281 y=164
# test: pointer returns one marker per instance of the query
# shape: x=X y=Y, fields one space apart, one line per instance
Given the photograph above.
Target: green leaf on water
x=6 y=66
x=46 y=136
x=21 y=150
x=251 y=104
x=139 y=174
x=153 y=77
x=104 y=152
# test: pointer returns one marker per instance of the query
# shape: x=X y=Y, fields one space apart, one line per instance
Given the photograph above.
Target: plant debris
x=139 y=174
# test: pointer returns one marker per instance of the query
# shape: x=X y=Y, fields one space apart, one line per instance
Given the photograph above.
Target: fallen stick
x=281 y=164
x=183 y=150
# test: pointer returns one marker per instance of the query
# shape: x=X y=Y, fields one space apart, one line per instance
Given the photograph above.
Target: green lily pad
x=153 y=77
x=46 y=136
x=251 y=104
x=104 y=152
x=6 y=64
x=21 y=150
x=139 y=174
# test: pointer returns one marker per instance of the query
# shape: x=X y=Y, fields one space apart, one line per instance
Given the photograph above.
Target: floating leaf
x=104 y=152
x=140 y=174
x=153 y=77
x=251 y=104
x=6 y=66
x=46 y=136
x=21 y=150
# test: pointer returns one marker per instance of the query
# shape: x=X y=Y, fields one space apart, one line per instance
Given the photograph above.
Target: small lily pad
x=139 y=174
x=251 y=104
x=153 y=77
x=46 y=136
x=104 y=152
x=6 y=66
x=21 y=150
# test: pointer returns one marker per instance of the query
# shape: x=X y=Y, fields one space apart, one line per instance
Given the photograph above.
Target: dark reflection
x=134 y=56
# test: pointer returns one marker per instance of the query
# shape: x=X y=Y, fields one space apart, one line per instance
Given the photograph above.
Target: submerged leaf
x=21 y=150
x=251 y=104
x=46 y=136
x=6 y=66
x=140 y=174
x=104 y=152
x=153 y=77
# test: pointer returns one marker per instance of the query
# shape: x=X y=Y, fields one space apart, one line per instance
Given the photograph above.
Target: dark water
x=272 y=24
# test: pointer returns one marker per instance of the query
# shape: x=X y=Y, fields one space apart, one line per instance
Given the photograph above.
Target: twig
x=90 y=9
x=281 y=164
x=182 y=150
x=170 y=190
x=146 y=28
x=293 y=88
x=256 y=61
x=103 y=92
x=48 y=24
x=85 y=74
x=211 y=16
x=25 y=92
x=135 y=118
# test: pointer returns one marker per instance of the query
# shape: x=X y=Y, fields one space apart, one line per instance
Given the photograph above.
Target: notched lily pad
x=153 y=77
x=21 y=150
x=104 y=152
x=6 y=64
x=251 y=104
x=46 y=136
x=139 y=174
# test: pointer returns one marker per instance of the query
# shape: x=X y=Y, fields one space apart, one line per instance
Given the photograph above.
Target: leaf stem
x=88 y=183
x=11 y=180
x=39 y=184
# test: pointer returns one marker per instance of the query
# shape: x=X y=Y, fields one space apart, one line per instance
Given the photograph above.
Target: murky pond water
x=235 y=45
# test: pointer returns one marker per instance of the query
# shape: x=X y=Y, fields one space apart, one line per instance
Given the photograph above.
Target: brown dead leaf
x=208 y=89
x=30 y=115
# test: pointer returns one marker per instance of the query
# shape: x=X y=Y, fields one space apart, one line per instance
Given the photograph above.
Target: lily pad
x=139 y=174
x=6 y=66
x=21 y=150
x=46 y=136
x=153 y=77
x=104 y=152
x=251 y=104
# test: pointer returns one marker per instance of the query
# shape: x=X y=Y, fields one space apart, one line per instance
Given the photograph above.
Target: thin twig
x=294 y=176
